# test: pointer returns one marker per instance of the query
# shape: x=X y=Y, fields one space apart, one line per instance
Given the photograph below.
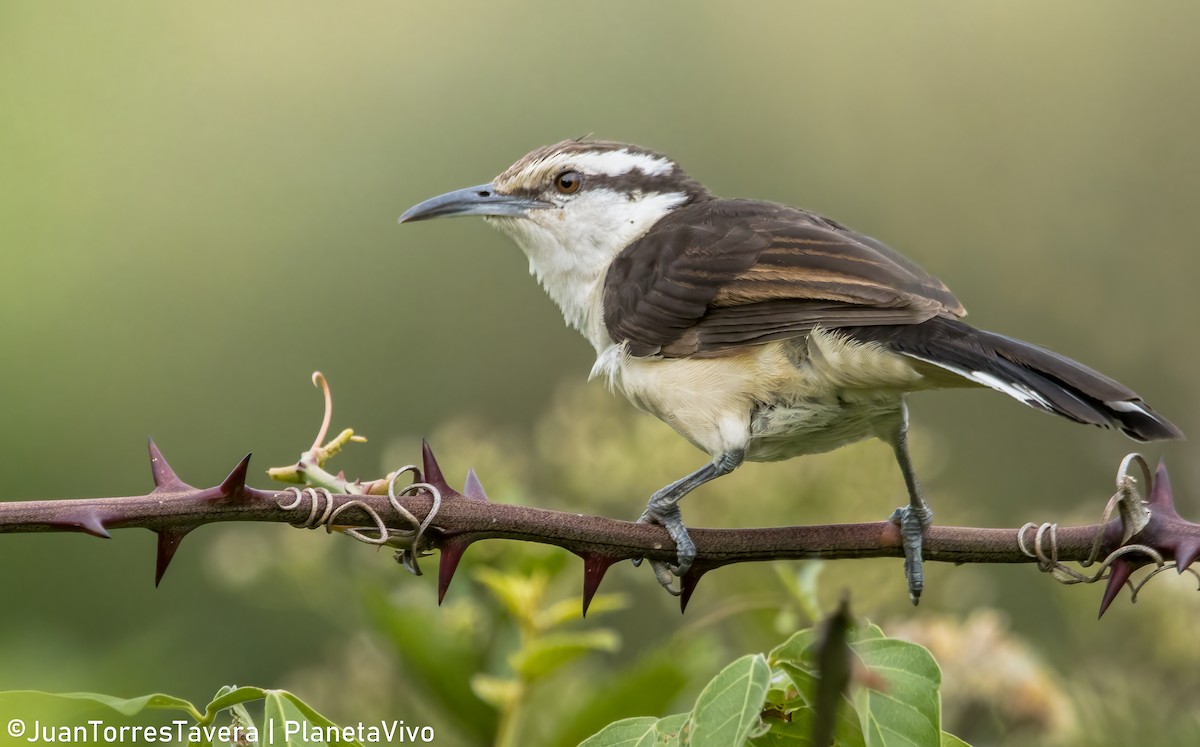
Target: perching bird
x=756 y=330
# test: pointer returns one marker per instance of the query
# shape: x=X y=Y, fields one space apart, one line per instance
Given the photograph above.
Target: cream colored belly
x=774 y=401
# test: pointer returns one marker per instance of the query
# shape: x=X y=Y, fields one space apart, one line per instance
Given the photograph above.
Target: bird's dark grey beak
x=481 y=200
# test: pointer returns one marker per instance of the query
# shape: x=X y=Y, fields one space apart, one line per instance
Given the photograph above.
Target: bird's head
x=572 y=207
x=577 y=197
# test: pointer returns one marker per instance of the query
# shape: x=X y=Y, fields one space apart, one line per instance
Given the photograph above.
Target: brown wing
x=719 y=275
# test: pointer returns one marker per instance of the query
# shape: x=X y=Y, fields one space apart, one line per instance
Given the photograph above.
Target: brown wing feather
x=716 y=276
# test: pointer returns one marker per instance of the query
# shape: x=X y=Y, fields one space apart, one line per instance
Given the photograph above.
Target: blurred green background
x=197 y=209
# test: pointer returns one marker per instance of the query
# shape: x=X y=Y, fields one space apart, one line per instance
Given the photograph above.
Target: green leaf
x=228 y=697
x=794 y=733
x=908 y=711
x=13 y=700
x=728 y=708
x=550 y=652
x=630 y=732
x=649 y=684
x=276 y=713
x=240 y=717
x=848 y=731
x=797 y=648
x=641 y=732
x=803 y=680
x=728 y=713
x=289 y=721
x=793 y=649
x=867 y=632
x=309 y=713
x=74 y=709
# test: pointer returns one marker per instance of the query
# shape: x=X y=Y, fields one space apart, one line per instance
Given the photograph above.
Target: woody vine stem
x=429 y=514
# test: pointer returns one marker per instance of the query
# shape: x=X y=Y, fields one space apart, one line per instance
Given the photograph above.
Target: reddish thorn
x=688 y=583
x=1160 y=493
x=1119 y=573
x=595 y=566
x=168 y=543
x=433 y=473
x=450 y=553
x=93 y=525
x=231 y=487
x=473 y=488
x=165 y=478
x=1185 y=554
x=88 y=523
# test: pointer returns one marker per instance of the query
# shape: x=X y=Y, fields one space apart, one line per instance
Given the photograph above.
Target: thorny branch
x=429 y=514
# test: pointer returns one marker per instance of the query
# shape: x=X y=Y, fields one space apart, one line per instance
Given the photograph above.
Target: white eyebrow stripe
x=610 y=163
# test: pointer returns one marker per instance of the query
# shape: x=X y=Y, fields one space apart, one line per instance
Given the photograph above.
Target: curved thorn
x=1185 y=554
x=93 y=525
x=1160 y=493
x=473 y=488
x=168 y=543
x=231 y=487
x=164 y=477
x=1119 y=574
x=433 y=472
x=88 y=522
x=451 y=552
x=595 y=565
x=688 y=583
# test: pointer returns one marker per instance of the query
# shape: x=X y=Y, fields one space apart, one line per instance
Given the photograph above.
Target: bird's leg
x=914 y=518
x=663 y=509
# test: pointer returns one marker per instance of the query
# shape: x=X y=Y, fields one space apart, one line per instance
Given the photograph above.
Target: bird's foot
x=913 y=521
x=667 y=516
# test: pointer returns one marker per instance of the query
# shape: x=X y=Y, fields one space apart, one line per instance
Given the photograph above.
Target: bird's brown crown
x=600 y=164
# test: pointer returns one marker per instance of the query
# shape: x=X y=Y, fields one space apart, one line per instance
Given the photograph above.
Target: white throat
x=571 y=247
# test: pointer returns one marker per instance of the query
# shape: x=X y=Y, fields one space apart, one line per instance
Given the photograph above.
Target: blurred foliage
x=995 y=685
x=197 y=208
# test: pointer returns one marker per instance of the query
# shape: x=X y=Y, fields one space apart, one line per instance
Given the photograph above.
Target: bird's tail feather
x=1038 y=377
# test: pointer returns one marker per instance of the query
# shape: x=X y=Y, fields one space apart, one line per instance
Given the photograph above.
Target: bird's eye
x=568 y=182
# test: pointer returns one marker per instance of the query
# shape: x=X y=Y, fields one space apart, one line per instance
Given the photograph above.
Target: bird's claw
x=913 y=521
x=670 y=519
x=665 y=574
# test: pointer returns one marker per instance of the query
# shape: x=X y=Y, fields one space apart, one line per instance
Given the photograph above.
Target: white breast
x=774 y=401
x=570 y=249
